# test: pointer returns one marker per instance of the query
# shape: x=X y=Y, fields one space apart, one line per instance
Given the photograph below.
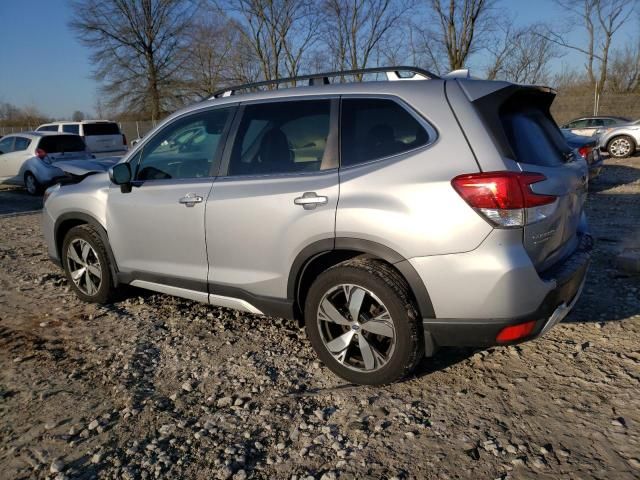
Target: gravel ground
x=159 y=387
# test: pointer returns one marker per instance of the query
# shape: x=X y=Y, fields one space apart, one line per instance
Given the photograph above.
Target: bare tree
x=601 y=19
x=136 y=48
x=276 y=35
x=77 y=116
x=521 y=55
x=624 y=73
x=461 y=28
x=354 y=29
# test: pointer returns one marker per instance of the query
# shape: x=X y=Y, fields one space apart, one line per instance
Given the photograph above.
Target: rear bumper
x=569 y=278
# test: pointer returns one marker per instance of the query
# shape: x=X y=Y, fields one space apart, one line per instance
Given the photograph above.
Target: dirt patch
x=155 y=386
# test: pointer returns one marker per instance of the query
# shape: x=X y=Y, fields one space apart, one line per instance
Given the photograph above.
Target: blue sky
x=42 y=64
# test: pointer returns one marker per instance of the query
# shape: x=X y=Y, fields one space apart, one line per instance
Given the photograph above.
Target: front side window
x=281 y=138
x=184 y=149
x=21 y=144
x=596 y=122
x=48 y=128
x=71 y=128
x=375 y=128
x=6 y=145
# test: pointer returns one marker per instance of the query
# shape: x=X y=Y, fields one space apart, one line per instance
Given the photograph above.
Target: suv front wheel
x=363 y=323
x=86 y=264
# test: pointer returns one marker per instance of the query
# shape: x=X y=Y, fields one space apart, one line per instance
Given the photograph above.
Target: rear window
x=48 y=128
x=62 y=143
x=533 y=136
x=101 y=129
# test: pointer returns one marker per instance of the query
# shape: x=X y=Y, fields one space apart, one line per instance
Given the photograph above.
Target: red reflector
x=584 y=151
x=501 y=190
x=40 y=153
x=515 y=332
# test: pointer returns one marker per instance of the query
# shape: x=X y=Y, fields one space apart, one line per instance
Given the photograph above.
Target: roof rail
x=393 y=74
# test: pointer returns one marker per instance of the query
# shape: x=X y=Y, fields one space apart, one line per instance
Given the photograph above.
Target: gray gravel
x=159 y=387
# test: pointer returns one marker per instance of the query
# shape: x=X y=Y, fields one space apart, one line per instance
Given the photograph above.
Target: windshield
x=62 y=143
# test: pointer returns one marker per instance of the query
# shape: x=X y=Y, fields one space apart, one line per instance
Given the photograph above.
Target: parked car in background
x=621 y=141
x=589 y=149
x=588 y=126
x=99 y=135
x=329 y=204
x=33 y=159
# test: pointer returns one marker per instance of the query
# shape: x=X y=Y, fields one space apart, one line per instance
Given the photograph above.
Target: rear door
x=538 y=146
x=277 y=194
x=103 y=136
x=157 y=230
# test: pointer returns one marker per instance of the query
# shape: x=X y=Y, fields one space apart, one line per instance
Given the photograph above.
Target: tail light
x=505 y=199
x=124 y=139
x=515 y=332
x=40 y=153
x=584 y=152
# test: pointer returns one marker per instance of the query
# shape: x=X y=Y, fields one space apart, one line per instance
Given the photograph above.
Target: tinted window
x=283 y=137
x=62 y=143
x=71 y=128
x=48 y=128
x=533 y=136
x=596 y=122
x=6 y=145
x=21 y=144
x=101 y=129
x=375 y=128
x=184 y=149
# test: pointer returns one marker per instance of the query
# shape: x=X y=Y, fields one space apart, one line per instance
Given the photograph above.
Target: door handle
x=310 y=200
x=190 y=199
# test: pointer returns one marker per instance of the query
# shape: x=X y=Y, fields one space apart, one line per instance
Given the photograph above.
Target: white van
x=99 y=135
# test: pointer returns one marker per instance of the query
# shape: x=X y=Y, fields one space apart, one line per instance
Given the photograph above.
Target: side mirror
x=120 y=174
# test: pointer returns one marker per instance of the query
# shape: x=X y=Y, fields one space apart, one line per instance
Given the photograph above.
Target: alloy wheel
x=620 y=147
x=84 y=266
x=356 y=328
x=30 y=183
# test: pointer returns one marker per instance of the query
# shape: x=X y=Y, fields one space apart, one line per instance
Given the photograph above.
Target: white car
x=99 y=135
x=33 y=159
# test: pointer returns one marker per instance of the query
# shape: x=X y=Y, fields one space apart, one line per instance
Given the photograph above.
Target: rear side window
x=62 y=143
x=71 y=128
x=48 y=128
x=533 y=136
x=21 y=144
x=376 y=128
x=101 y=129
x=281 y=137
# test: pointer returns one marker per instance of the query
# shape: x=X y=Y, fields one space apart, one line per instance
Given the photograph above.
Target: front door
x=278 y=194
x=157 y=230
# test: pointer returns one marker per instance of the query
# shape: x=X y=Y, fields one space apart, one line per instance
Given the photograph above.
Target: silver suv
x=390 y=217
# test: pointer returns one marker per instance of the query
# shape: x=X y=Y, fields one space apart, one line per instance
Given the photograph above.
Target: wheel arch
x=67 y=221
x=634 y=143
x=323 y=254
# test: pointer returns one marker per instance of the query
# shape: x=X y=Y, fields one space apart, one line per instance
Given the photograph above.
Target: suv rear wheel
x=86 y=264
x=621 y=147
x=362 y=322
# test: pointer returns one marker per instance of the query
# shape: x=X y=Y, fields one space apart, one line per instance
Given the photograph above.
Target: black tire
x=614 y=147
x=32 y=185
x=89 y=234
x=393 y=291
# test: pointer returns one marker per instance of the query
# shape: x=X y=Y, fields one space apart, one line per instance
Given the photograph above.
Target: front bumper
x=569 y=277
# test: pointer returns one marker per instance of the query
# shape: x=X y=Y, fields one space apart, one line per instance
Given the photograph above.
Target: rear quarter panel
x=406 y=202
